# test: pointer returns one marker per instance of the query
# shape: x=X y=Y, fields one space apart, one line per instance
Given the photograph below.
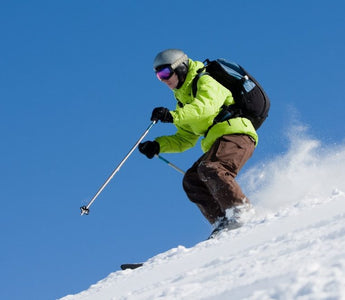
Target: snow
x=292 y=249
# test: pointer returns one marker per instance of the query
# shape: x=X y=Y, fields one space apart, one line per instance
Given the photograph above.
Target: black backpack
x=251 y=100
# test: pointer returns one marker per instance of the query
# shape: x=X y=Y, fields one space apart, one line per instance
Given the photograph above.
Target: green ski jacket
x=194 y=115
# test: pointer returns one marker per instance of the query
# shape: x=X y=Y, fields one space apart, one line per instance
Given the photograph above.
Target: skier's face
x=172 y=82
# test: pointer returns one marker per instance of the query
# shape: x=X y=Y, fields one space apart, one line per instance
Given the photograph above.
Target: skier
x=210 y=182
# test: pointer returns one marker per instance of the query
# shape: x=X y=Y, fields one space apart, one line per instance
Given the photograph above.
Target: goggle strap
x=179 y=61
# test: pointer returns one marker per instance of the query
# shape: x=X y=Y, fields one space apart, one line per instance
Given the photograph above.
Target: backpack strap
x=195 y=84
x=196 y=79
x=202 y=71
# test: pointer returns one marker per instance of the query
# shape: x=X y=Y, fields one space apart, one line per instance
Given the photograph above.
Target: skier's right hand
x=150 y=149
x=162 y=114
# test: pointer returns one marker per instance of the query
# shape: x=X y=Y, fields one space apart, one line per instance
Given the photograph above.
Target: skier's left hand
x=150 y=149
x=162 y=114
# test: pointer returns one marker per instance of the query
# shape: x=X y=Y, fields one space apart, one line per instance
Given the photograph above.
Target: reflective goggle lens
x=165 y=73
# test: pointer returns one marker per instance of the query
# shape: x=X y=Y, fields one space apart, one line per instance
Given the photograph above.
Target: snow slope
x=294 y=248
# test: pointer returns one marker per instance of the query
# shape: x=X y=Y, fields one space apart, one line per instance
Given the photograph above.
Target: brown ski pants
x=210 y=183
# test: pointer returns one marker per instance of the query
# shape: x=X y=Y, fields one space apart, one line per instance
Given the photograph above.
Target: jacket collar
x=184 y=93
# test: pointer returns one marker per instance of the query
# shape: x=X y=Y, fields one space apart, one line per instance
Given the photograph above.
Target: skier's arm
x=179 y=142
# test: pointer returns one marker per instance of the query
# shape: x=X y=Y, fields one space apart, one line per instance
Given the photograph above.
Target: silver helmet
x=172 y=57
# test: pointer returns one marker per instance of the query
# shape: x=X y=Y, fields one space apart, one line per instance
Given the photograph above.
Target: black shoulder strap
x=195 y=81
x=200 y=72
x=195 y=84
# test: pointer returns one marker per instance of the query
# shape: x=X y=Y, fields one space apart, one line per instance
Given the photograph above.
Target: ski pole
x=170 y=164
x=86 y=208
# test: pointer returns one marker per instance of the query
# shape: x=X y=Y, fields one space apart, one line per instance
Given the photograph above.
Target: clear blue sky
x=76 y=92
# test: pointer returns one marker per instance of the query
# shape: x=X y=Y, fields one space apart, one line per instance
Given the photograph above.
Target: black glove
x=150 y=149
x=162 y=114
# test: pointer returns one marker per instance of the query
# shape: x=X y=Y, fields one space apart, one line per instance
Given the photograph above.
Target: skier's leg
x=198 y=193
x=220 y=167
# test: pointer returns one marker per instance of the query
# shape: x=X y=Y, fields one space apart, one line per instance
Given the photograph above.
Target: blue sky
x=77 y=90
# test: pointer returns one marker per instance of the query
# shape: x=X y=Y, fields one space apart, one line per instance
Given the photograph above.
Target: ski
x=131 y=266
x=218 y=231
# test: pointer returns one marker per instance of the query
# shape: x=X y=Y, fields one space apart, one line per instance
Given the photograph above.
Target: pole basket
x=84 y=210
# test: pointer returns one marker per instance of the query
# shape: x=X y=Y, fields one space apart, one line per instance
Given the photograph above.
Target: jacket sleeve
x=181 y=141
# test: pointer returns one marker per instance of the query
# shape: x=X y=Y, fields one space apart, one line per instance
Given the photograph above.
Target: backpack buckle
x=245 y=78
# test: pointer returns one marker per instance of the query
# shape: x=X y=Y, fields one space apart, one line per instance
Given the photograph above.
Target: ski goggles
x=164 y=73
